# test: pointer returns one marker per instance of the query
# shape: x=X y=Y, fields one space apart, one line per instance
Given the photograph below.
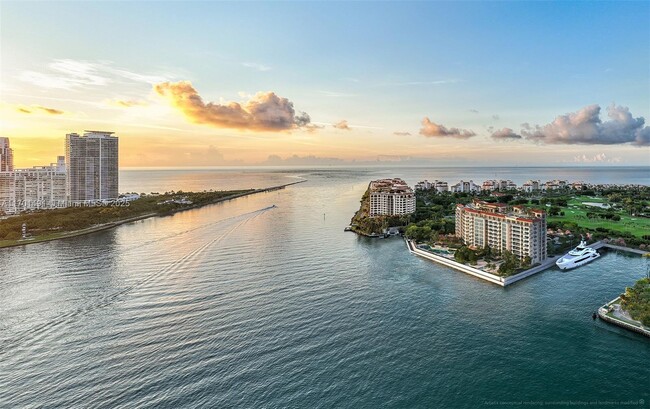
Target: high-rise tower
x=6 y=156
x=92 y=166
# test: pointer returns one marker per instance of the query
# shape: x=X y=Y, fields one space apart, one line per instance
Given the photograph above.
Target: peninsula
x=52 y=224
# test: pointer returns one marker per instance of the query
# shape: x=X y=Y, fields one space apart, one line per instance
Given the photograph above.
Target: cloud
x=335 y=94
x=495 y=117
x=256 y=66
x=474 y=111
x=34 y=108
x=505 y=134
x=65 y=74
x=431 y=129
x=402 y=133
x=601 y=157
x=71 y=74
x=342 y=125
x=435 y=82
x=585 y=127
x=127 y=103
x=264 y=112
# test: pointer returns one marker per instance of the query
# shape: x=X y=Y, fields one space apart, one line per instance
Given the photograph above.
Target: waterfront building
x=555 y=184
x=439 y=186
x=40 y=187
x=391 y=197
x=465 y=187
x=531 y=186
x=489 y=185
x=6 y=156
x=92 y=166
x=517 y=229
x=423 y=185
x=492 y=185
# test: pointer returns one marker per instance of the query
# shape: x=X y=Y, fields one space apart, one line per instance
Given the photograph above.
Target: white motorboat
x=577 y=257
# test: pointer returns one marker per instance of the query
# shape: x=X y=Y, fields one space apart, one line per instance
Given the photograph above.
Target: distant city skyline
x=237 y=84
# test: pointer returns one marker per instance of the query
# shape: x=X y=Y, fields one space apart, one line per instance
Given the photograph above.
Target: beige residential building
x=516 y=229
x=391 y=197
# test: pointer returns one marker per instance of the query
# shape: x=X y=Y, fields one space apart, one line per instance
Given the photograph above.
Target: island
x=502 y=232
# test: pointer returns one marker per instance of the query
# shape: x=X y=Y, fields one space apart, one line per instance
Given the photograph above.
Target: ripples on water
x=238 y=305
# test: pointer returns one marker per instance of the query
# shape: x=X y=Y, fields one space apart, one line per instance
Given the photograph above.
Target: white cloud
x=72 y=74
x=257 y=66
x=585 y=127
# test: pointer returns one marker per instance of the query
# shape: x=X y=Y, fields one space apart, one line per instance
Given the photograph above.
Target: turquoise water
x=235 y=306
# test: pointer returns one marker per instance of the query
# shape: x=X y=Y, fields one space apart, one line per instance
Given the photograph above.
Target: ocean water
x=241 y=305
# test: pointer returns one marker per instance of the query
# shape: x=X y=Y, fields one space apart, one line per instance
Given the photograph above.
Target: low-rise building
x=391 y=197
x=517 y=229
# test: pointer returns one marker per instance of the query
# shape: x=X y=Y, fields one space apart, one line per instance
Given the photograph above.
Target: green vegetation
x=48 y=224
x=362 y=223
x=636 y=301
x=618 y=220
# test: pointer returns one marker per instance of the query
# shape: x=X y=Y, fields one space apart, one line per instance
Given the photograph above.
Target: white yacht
x=578 y=256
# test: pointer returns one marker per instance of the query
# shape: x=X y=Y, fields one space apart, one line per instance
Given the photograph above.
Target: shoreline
x=498 y=280
x=606 y=313
x=107 y=226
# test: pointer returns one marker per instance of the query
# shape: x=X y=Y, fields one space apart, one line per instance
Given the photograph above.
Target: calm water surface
x=239 y=305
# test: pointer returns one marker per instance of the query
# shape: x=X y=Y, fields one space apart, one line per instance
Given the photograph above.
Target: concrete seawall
x=455 y=265
x=602 y=313
x=493 y=278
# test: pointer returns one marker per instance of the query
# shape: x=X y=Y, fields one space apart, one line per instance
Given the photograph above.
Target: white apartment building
x=42 y=187
x=92 y=166
x=517 y=230
x=531 y=186
x=554 y=184
x=439 y=186
x=492 y=185
x=465 y=187
x=391 y=197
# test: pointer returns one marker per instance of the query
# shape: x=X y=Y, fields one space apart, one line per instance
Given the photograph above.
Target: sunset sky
x=309 y=83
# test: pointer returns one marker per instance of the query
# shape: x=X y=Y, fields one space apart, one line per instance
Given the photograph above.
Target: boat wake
x=38 y=332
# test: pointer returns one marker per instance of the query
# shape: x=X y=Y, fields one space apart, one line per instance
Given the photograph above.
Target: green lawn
x=577 y=212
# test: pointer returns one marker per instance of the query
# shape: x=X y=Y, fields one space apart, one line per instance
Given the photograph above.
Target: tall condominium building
x=42 y=187
x=6 y=156
x=391 y=197
x=518 y=230
x=92 y=166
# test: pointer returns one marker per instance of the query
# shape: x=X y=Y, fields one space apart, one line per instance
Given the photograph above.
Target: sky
x=330 y=83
